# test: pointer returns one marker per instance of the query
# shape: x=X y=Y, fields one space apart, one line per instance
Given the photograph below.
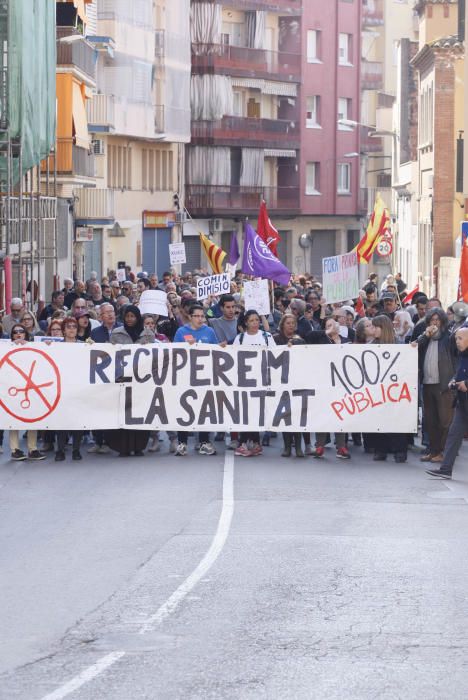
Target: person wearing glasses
x=70 y=335
x=29 y=321
x=9 y=320
x=20 y=336
x=195 y=331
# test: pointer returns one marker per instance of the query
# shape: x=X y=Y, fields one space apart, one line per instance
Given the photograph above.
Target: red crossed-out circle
x=22 y=384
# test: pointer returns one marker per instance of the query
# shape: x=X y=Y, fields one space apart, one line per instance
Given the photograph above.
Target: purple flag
x=259 y=261
x=234 y=253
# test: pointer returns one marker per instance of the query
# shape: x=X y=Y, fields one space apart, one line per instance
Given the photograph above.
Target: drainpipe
x=8 y=283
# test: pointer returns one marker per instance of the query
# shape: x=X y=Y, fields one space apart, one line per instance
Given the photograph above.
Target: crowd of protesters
x=108 y=311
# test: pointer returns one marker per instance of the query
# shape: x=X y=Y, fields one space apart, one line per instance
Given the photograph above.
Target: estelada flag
x=214 y=253
x=266 y=230
x=378 y=224
x=463 y=286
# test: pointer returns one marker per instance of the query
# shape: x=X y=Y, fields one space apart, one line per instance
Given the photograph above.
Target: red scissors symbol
x=30 y=386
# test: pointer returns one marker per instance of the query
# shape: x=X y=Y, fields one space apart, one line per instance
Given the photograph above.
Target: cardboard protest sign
x=257 y=296
x=213 y=285
x=153 y=301
x=177 y=253
x=333 y=388
x=340 y=277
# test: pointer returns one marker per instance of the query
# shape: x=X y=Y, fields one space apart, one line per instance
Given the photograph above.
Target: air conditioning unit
x=180 y=217
x=215 y=225
x=98 y=147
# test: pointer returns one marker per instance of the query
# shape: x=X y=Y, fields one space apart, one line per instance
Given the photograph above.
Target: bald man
x=459 y=425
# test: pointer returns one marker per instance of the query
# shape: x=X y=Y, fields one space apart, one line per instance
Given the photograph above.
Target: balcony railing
x=78 y=52
x=214 y=200
x=371 y=75
x=72 y=160
x=101 y=112
x=372 y=13
x=237 y=131
x=94 y=204
x=241 y=61
x=292 y=7
x=369 y=143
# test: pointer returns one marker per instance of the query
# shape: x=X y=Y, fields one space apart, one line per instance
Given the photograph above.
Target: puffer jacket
x=119 y=336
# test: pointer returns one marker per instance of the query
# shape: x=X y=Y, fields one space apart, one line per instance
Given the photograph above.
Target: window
x=157 y=170
x=313 y=46
x=237 y=97
x=345 y=53
x=119 y=167
x=344 y=113
x=313 y=112
x=312 y=178
x=343 y=178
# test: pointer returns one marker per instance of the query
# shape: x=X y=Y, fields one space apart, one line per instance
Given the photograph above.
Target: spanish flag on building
x=214 y=253
x=378 y=224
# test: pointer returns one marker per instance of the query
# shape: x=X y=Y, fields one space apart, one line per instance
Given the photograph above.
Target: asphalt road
x=323 y=579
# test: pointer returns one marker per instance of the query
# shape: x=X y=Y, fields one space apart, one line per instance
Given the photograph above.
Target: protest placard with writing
x=257 y=296
x=214 y=285
x=177 y=253
x=340 y=277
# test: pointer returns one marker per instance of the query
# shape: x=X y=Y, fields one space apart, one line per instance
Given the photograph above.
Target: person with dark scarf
x=125 y=441
x=459 y=425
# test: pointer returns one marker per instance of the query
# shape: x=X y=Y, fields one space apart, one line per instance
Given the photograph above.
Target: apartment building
x=439 y=64
x=138 y=117
x=270 y=79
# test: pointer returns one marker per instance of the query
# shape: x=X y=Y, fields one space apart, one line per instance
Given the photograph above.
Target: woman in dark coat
x=123 y=440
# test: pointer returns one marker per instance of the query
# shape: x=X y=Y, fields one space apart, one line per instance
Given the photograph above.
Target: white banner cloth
x=343 y=388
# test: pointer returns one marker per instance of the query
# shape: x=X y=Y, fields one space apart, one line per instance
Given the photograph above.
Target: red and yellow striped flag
x=378 y=224
x=214 y=253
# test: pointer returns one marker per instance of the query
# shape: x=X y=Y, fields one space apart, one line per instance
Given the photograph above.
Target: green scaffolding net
x=28 y=62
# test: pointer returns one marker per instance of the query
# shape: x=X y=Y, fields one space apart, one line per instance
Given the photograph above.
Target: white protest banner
x=340 y=277
x=214 y=285
x=339 y=388
x=177 y=253
x=257 y=296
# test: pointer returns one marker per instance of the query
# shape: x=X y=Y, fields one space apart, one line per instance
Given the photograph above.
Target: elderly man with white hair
x=16 y=311
x=459 y=425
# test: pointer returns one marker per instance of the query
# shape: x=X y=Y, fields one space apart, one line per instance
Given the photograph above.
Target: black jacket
x=447 y=357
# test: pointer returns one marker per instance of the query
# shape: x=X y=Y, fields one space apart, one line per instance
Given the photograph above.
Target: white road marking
x=217 y=545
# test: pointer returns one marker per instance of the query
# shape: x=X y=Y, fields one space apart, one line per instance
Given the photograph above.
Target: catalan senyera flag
x=214 y=253
x=378 y=224
x=463 y=287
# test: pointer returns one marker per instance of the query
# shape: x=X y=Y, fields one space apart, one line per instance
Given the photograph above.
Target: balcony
x=93 y=205
x=101 y=113
x=241 y=61
x=287 y=7
x=371 y=75
x=219 y=200
x=78 y=53
x=72 y=161
x=372 y=13
x=369 y=143
x=246 y=131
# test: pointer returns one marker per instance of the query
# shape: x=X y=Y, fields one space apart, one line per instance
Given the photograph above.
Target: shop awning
x=80 y=121
x=280 y=153
x=272 y=88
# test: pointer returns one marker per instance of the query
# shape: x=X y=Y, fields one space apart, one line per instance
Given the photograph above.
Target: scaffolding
x=28 y=201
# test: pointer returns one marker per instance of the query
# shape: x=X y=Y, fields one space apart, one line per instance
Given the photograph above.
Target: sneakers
x=243 y=451
x=154 y=445
x=181 y=450
x=441 y=473
x=173 y=444
x=93 y=450
x=233 y=445
x=319 y=452
x=59 y=456
x=206 y=448
x=18 y=455
x=342 y=453
x=35 y=455
x=256 y=449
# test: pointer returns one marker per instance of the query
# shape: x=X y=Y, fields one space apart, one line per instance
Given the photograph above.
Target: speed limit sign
x=384 y=248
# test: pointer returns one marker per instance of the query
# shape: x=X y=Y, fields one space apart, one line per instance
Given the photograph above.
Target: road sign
x=384 y=248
